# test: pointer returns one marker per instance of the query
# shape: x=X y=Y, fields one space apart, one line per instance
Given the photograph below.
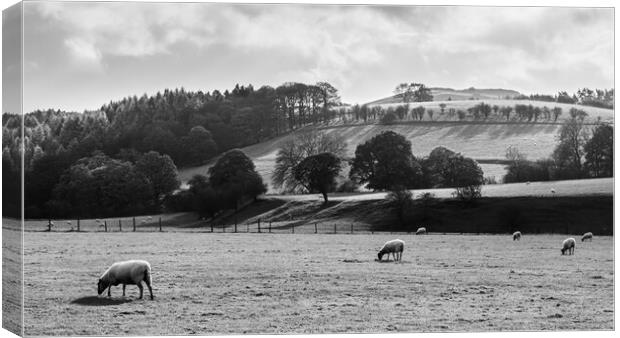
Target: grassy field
x=484 y=141
x=250 y=283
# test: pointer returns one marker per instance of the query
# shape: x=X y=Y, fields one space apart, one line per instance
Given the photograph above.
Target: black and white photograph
x=230 y=168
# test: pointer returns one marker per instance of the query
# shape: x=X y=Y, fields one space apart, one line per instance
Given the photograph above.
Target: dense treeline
x=602 y=98
x=189 y=127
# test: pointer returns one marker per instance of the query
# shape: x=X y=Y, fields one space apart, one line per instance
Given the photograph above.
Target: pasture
x=268 y=283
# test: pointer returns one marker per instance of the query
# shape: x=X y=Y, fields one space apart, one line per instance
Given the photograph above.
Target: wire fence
x=187 y=224
x=159 y=224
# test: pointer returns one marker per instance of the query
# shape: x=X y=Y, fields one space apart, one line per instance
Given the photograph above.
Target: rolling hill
x=485 y=141
x=446 y=94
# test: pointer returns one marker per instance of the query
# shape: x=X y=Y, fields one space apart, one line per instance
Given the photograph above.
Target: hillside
x=445 y=94
x=486 y=140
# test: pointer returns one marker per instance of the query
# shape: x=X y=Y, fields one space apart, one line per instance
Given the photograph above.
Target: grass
x=250 y=283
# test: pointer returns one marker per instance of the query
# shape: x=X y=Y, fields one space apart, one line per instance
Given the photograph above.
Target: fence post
x=351 y=227
x=335 y=228
x=235 y=227
x=315 y=229
x=160 y=224
x=78 y=224
x=259 y=225
x=211 y=226
x=120 y=226
x=49 y=225
x=269 y=226
x=293 y=228
x=134 y=224
x=105 y=226
x=247 y=229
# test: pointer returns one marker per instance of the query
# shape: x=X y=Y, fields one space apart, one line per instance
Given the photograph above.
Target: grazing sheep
x=553 y=191
x=394 y=247
x=421 y=231
x=586 y=236
x=128 y=272
x=516 y=236
x=568 y=245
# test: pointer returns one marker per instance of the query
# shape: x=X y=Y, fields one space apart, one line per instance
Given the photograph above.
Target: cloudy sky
x=80 y=55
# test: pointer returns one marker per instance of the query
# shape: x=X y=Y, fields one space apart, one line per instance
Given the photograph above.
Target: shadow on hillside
x=100 y=301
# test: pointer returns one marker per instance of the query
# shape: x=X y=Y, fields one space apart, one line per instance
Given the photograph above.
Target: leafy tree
x=416 y=92
x=318 y=173
x=161 y=172
x=297 y=148
x=199 y=146
x=204 y=199
x=466 y=176
x=599 y=152
x=234 y=177
x=569 y=152
x=388 y=118
x=385 y=162
x=442 y=107
x=101 y=186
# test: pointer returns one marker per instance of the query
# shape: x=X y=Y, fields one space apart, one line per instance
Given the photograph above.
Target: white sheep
x=128 y=272
x=568 y=245
x=421 y=231
x=516 y=236
x=394 y=247
x=586 y=236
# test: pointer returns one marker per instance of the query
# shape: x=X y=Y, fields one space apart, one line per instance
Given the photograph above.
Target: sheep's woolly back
x=395 y=245
x=569 y=242
x=587 y=235
x=127 y=272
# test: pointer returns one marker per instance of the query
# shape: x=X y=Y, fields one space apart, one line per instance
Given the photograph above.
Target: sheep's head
x=101 y=286
x=562 y=250
x=380 y=255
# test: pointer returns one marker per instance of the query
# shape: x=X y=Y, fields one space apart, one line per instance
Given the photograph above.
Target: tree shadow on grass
x=100 y=301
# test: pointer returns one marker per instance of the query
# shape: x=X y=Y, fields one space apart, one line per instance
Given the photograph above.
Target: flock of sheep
x=134 y=272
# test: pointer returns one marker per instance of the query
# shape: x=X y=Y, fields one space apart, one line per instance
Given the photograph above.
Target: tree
x=385 y=162
x=318 y=173
x=161 y=172
x=557 y=111
x=599 y=152
x=199 y=146
x=101 y=186
x=300 y=146
x=234 y=177
x=401 y=199
x=466 y=176
x=416 y=92
x=568 y=154
x=204 y=199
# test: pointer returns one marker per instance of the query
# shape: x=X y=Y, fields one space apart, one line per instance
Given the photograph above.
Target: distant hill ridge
x=446 y=94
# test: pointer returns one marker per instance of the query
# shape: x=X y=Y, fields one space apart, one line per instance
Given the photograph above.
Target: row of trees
x=190 y=127
x=100 y=186
x=479 y=112
x=580 y=153
x=602 y=98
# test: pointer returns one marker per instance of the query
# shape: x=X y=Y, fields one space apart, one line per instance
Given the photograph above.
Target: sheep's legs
x=109 y=291
x=141 y=289
x=150 y=289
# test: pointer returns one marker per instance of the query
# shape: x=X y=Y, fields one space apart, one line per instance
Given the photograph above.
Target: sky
x=80 y=55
